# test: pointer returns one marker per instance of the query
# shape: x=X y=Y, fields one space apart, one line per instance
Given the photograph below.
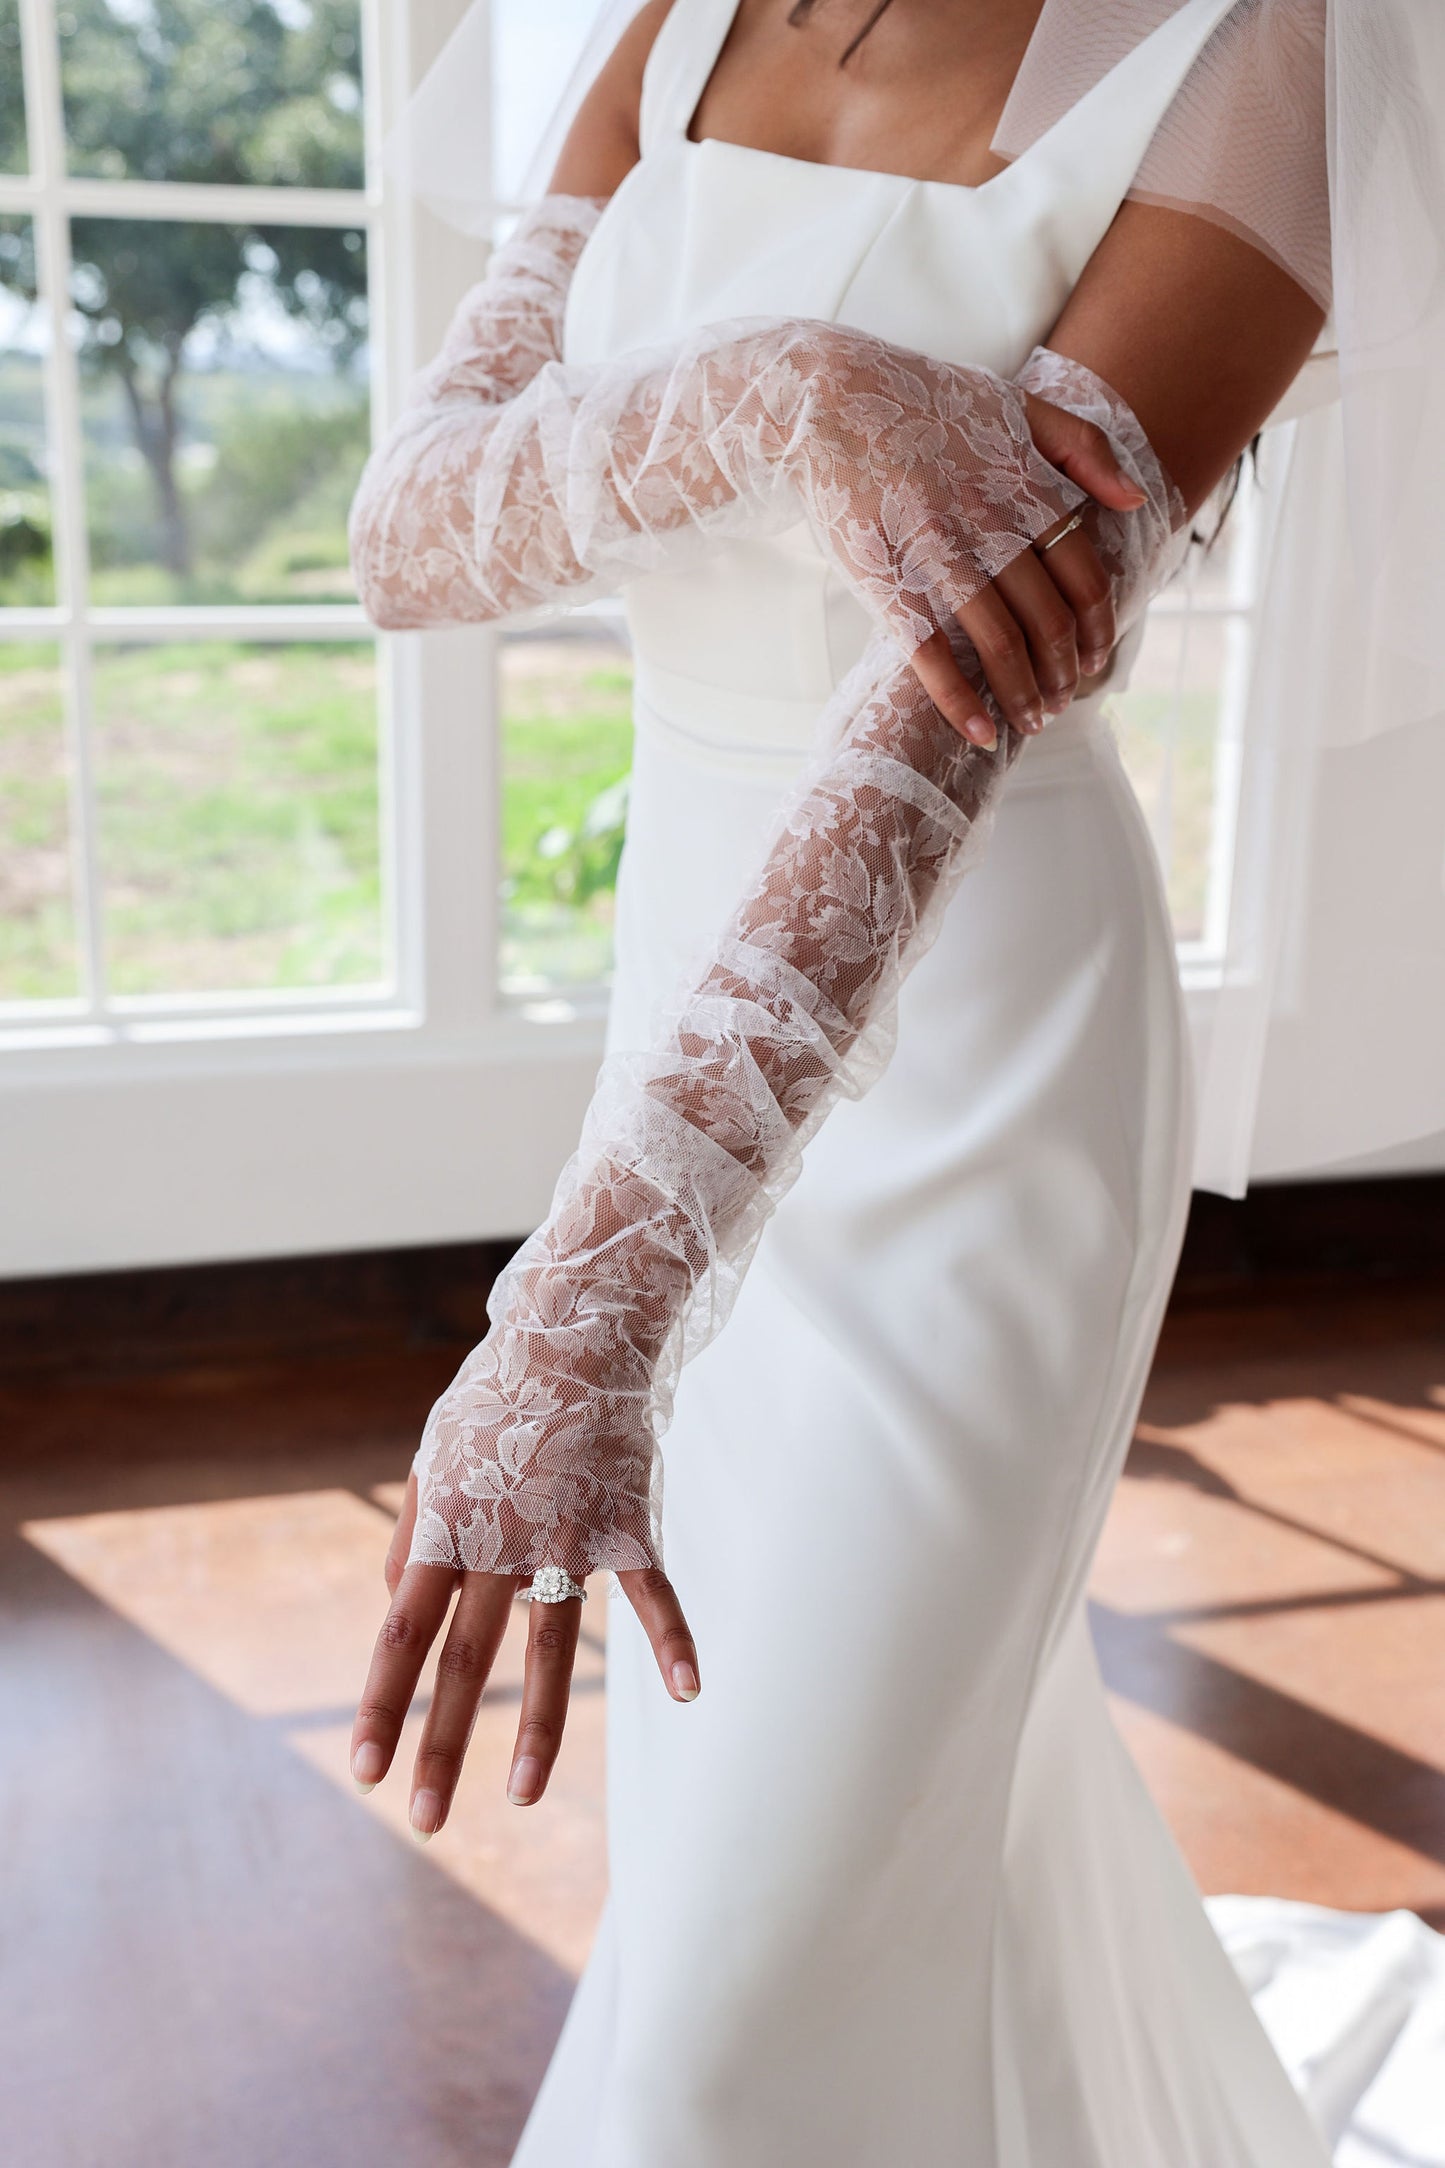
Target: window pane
x=214 y=90
x=238 y=802
x=1167 y=725
x=225 y=408
x=12 y=91
x=38 y=955
x=534 y=50
x=27 y=572
x=566 y=740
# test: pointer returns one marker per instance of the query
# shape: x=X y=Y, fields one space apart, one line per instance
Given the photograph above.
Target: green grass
x=268 y=466
x=238 y=803
x=566 y=745
x=237 y=795
x=236 y=789
x=37 y=932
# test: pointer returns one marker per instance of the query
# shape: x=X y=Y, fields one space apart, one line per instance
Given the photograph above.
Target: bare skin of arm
x=1201 y=334
x=1197 y=330
x=1043 y=625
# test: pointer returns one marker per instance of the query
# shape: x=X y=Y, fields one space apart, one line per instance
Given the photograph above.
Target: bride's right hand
x=421 y=1606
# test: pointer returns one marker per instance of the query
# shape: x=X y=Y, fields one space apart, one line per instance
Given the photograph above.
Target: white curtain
x=1327 y=1036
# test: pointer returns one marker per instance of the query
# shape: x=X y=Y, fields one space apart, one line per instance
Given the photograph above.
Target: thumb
x=1081 y=450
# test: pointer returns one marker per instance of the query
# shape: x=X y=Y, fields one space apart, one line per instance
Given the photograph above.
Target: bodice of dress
x=750 y=645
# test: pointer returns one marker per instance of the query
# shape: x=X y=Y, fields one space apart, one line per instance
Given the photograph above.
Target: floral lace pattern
x=512 y=481
x=409 y=525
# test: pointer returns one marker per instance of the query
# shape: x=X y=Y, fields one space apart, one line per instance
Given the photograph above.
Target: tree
x=12 y=94
x=258 y=91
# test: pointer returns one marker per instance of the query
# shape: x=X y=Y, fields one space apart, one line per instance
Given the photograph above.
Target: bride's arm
x=513 y=480
x=510 y=481
x=544 y=1448
x=1197 y=329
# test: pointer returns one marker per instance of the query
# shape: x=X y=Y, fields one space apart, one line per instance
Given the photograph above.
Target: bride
x=888 y=355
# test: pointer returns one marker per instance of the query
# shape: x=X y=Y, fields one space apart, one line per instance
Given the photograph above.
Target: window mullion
x=45 y=122
x=444 y=768
x=1244 y=574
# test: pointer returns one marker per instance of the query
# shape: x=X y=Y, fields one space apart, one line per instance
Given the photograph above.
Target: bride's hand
x=940 y=492
x=1046 y=624
x=421 y=1598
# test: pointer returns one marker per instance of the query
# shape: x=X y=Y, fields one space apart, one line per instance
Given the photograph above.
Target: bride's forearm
x=410 y=525
x=513 y=480
x=543 y=1450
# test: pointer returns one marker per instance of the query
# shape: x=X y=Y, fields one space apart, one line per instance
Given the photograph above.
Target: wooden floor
x=214 y=1954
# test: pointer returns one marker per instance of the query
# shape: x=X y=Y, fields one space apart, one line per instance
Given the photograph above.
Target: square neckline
x=679 y=128
x=872 y=173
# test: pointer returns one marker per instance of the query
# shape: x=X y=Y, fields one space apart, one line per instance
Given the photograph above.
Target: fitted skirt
x=891 y=1890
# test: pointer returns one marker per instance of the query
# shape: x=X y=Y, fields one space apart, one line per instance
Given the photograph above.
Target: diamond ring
x=551 y=1584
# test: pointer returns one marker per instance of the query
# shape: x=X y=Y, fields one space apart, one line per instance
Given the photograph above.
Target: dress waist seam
x=697 y=720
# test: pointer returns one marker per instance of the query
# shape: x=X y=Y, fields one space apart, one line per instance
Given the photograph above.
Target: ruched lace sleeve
x=513 y=480
x=544 y=1448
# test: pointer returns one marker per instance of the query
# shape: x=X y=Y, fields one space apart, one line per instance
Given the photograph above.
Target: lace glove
x=1141 y=551
x=513 y=481
x=544 y=1448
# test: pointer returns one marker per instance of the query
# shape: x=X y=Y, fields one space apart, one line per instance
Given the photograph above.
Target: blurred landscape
x=224 y=410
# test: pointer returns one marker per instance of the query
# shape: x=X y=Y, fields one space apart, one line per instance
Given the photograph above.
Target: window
x=564 y=701
x=565 y=710
x=280 y=901
x=1178 y=726
x=190 y=737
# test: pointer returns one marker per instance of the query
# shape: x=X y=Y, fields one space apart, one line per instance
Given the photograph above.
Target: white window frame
x=1201 y=958
x=156 y=1129
x=137 y=1130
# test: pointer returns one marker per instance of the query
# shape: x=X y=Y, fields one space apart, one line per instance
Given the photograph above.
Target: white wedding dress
x=892 y=1890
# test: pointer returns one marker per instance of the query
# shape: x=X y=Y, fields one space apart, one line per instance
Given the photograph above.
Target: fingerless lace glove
x=512 y=480
x=544 y=1448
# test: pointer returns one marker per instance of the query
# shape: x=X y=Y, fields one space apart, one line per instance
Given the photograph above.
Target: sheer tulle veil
x=1316 y=130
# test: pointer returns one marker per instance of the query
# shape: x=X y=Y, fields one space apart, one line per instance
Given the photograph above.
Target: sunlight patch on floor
x=275 y=1603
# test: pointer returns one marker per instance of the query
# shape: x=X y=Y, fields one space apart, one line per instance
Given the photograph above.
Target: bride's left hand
x=421 y=1597
x=1045 y=626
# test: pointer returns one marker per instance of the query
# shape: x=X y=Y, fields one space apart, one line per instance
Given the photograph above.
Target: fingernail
x=523 y=1782
x=1055 y=707
x=426 y=1815
x=1033 y=716
x=982 y=732
x=1093 y=664
x=1135 y=492
x=368 y=1767
x=684 y=1680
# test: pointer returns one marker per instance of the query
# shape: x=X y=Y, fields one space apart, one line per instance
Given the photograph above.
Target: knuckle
x=677 y=1640
x=1056 y=628
x=537 y=1731
x=399 y=1631
x=373 y=1717
x=654 y=1582
x=1094 y=585
x=550 y=1640
x=1001 y=645
x=461 y=1659
x=955 y=706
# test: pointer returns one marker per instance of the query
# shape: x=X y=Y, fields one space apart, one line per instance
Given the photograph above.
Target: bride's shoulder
x=602 y=144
